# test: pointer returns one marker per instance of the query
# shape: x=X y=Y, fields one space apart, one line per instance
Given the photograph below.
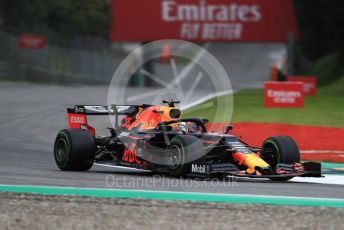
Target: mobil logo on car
x=200 y=168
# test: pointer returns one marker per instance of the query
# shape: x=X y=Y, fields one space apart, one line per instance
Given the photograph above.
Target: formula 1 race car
x=157 y=139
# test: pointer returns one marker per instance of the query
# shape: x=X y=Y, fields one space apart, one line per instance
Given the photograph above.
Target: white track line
x=322 y=151
x=328 y=179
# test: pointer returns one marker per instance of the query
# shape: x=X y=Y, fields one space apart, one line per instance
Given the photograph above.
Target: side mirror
x=227 y=129
x=112 y=132
x=205 y=121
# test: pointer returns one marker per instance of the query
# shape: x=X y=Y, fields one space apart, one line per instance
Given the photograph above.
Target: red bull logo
x=149 y=118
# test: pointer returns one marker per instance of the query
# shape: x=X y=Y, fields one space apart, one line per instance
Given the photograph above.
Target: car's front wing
x=305 y=169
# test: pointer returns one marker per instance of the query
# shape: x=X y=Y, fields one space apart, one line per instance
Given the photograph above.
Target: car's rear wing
x=77 y=116
x=104 y=109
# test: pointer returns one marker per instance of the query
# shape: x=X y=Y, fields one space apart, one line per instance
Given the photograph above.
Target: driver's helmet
x=182 y=126
x=188 y=127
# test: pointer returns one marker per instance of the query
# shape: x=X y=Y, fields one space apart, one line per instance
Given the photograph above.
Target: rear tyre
x=280 y=149
x=74 y=150
x=183 y=150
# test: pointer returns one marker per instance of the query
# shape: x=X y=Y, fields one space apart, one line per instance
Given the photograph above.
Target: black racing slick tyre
x=181 y=151
x=280 y=149
x=74 y=150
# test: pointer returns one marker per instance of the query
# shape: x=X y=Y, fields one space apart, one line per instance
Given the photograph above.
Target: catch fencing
x=77 y=60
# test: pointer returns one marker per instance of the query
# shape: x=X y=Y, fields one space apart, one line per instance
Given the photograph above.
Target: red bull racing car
x=158 y=139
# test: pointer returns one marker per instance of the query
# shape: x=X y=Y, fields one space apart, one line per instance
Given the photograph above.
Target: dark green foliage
x=327 y=69
x=321 y=24
x=89 y=17
x=71 y=17
x=24 y=15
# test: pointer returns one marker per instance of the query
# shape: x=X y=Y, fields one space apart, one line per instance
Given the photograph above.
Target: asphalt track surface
x=32 y=114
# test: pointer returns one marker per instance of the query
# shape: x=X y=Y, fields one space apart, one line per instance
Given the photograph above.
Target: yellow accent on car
x=252 y=161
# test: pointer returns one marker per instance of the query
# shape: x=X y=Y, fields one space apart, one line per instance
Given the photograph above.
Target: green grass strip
x=185 y=196
x=338 y=169
x=321 y=110
x=328 y=165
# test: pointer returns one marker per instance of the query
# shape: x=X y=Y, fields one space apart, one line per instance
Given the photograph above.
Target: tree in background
x=81 y=17
x=71 y=17
x=321 y=24
x=24 y=15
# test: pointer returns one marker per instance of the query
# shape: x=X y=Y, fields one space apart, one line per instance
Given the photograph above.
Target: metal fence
x=61 y=60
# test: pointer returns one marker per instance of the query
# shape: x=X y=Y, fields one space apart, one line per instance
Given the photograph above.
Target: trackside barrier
x=309 y=84
x=283 y=94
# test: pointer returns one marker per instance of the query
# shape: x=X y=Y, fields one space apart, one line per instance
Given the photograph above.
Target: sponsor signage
x=309 y=84
x=76 y=120
x=200 y=168
x=203 y=20
x=283 y=94
x=31 y=41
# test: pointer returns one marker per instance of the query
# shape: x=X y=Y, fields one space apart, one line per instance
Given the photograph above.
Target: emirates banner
x=283 y=94
x=203 y=20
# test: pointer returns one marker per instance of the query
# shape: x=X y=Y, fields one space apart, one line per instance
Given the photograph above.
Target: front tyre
x=182 y=150
x=280 y=149
x=74 y=150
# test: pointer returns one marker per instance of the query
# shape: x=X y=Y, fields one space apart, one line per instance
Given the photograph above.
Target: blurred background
x=81 y=43
x=70 y=41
